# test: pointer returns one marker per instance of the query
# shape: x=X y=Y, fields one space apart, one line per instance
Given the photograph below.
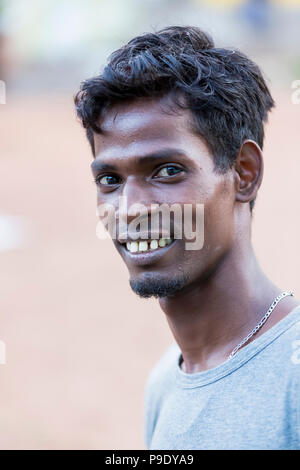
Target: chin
x=155 y=285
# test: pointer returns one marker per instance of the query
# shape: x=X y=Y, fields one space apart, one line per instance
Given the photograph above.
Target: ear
x=249 y=171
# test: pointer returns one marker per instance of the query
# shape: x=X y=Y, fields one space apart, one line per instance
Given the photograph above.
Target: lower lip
x=147 y=257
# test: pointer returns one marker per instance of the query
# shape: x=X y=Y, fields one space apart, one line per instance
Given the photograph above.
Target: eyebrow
x=99 y=165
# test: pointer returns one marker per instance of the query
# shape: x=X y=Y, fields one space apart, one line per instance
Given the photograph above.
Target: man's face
x=153 y=157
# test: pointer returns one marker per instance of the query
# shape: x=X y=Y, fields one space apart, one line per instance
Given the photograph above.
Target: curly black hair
x=223 y=88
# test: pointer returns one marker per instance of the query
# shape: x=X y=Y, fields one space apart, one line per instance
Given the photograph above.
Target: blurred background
x=79 y=343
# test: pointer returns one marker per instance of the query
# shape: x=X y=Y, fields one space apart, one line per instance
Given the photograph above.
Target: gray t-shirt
x=251 y=401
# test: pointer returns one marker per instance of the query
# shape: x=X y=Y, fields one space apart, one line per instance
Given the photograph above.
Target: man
x=175 y=120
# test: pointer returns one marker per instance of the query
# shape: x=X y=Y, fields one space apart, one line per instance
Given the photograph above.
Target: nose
x=136 y=199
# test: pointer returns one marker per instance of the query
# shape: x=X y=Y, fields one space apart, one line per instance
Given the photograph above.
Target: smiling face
x=153 y=157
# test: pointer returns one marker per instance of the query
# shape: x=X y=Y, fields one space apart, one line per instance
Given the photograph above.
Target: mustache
x=174 y=221
x=145 y=226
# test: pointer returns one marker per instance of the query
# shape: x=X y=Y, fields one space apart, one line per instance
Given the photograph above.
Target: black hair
x=223 y=88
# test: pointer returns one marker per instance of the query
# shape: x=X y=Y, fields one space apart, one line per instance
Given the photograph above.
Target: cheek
x=218 y=238
x=99 y=197
x=217 y=198
x=219 y=228
x=219 y=221
x=109 y=199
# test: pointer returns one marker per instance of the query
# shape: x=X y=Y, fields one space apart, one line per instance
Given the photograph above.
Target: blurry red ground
x=79 y=343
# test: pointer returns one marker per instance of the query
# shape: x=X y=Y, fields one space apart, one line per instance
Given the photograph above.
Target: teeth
x=134 y=247
x=144 y=245
x=153 y=244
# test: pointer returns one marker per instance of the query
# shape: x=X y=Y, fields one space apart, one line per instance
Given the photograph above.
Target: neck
x=210 y=317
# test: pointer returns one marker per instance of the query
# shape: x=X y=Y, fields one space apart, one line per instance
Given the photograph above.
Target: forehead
x=144 y=125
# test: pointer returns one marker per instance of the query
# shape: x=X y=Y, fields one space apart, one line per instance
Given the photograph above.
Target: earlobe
x=249 y=171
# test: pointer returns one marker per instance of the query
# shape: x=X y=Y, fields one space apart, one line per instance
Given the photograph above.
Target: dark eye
x=108 y=180
x=169 y=170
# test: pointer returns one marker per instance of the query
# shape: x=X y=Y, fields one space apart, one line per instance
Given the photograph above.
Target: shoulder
x=163 y=370
x=288 y=356
x=283 y=357
x=158 y=383
x=289 y=341
x=282 y=345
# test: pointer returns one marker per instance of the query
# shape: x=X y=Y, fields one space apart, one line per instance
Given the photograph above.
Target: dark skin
x=225 y=292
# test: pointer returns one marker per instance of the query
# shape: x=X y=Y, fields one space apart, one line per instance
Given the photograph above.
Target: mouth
x=146 y=251
x=142 y=246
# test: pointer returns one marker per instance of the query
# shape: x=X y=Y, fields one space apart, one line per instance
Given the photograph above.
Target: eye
x=107 y=180
x=169 y=170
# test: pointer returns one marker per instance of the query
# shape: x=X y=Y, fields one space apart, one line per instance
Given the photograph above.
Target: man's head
x=197 y=113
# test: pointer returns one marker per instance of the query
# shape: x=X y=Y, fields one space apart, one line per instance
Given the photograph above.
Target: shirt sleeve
x=155 y=390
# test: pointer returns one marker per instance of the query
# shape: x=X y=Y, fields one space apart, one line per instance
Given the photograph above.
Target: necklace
x=261 y=323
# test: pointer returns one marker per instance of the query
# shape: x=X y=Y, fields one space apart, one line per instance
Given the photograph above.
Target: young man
x=173 y=119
